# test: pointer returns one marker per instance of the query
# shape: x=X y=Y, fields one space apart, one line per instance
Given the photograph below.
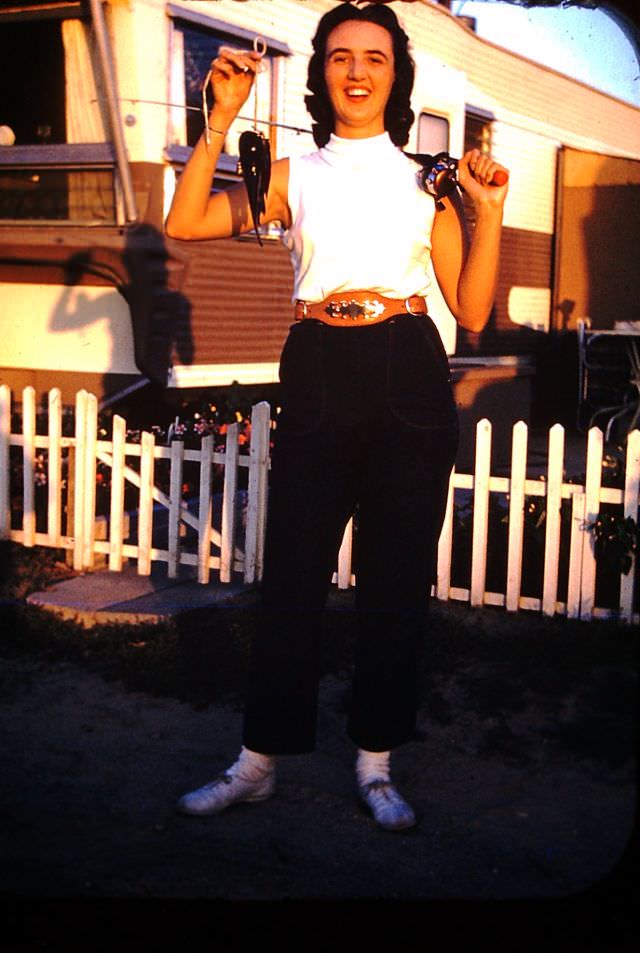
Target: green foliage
x=616 y=540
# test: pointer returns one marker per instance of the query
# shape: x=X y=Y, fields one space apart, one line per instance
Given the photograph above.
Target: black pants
x=368 y=425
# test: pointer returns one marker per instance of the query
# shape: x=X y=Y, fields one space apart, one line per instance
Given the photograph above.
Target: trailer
x=100 y=108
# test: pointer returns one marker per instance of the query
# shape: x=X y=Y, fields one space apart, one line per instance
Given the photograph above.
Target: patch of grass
x=579 y=678
x=575 y=682
x=196 y=660
x=527 y=654
x=603 y=723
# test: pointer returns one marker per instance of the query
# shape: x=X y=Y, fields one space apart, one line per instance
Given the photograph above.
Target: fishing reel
x=438 y=176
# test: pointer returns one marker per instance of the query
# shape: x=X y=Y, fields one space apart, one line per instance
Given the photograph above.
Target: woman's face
x=359 y=73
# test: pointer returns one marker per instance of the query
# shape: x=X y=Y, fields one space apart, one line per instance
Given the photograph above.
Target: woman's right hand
x=231 y=77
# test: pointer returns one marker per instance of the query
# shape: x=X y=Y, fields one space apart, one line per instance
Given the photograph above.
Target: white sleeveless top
x=359 y=220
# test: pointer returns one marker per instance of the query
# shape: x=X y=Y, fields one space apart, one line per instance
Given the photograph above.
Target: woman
x=368 y=419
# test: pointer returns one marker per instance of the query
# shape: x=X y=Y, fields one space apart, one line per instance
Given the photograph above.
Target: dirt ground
x=514 y=807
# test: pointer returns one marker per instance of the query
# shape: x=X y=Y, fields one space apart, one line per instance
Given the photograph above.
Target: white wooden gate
x=86 y=448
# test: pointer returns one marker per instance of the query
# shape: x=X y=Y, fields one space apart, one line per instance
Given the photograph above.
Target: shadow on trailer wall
x=116 y=307
x=596 y=275
x=597 y=240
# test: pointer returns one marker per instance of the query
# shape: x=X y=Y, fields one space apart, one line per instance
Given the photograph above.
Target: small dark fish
x=255 y=164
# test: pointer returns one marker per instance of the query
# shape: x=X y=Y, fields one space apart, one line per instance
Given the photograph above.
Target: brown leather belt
x=353 y=308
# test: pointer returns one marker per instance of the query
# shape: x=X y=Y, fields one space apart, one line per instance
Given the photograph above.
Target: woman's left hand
x=476 y=171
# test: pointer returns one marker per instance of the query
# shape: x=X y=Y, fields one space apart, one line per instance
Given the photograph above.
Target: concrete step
x=96 y=598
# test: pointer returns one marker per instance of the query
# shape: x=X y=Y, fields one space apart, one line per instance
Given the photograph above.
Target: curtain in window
x=90 y=192
x=178 y=114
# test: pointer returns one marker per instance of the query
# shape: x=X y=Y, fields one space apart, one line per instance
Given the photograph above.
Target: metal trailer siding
x=240 y=301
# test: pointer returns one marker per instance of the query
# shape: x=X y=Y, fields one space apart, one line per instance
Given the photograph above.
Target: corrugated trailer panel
x=525 y=260
x=240 y=301
x=525 y=271
x=522 y=298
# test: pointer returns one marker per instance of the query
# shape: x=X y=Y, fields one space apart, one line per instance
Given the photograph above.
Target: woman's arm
x=197 y=214
x=467 y=272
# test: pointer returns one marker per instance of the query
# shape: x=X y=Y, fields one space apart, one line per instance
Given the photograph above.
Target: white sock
x=254 y=765
x=372 y=765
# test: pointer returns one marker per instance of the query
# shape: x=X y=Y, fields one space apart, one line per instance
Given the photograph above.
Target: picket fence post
x=553 y=521
x=480 y=511
x=54 y=468
x=345 y=557
x=175 y=506
x=5 y=461
x=89 y=510
x=593 y=483
x=205 y=508
x=630 y=509
x=576 y=538
x=145 y=513
x=28 y=465
x=229 y=500
x=116 y=509
x=257 y=493
x=445 y=545
x=516 y=515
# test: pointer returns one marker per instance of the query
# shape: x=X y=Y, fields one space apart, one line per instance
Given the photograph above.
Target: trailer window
x=51 y=110
x=80 y=197
x=477 y=132
x=433 y=133
x=193 y=49
x=32 y=81
x=477 y=135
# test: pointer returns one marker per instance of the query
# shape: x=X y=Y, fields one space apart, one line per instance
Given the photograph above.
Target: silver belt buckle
x=354 y=309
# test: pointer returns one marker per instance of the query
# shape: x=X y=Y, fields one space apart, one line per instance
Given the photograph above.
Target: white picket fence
x=85 y=449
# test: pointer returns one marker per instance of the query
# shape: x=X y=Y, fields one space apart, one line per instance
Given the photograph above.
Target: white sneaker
x=389 y=809
x=231 y=787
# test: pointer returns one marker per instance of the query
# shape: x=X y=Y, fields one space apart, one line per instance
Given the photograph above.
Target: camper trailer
x=100 y=106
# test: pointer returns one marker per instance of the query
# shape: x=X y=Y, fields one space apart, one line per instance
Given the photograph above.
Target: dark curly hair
x=398 y=115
